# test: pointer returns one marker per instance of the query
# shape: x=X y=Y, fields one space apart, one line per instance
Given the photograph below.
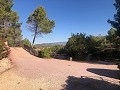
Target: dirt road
x=33 y=73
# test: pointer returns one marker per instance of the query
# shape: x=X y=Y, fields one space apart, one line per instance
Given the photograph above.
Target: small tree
x=39 y=23
x=26 y=42
x=76 y=45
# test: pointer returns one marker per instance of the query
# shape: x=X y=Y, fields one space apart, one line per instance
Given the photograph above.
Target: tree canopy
x=9 y=23
x=116 y=22
x=80 y=46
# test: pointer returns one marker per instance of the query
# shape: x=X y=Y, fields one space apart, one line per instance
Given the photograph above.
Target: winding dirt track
x=33 y=73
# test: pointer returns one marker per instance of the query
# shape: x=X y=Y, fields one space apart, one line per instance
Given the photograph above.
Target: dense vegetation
x=26 y=42
x=50 y=52
x=83 y=47
x=116 y=22
x=9 y=25
x=45 y=53
x=80 y=46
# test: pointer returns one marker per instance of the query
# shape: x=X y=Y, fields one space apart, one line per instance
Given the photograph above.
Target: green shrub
x=58 y=49
x=45 y=53
x=26 y=42
x=50 y=52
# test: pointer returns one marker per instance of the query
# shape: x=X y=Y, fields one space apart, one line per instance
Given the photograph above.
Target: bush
x=58 y=49
x=45 y=53
x=26 y=42
x=48 y=52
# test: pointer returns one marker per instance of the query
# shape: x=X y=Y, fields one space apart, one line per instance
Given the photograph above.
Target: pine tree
x=116 y=22
x=9 y=25
x=39 y=23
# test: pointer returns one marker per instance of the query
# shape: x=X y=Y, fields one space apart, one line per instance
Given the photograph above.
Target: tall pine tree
x=39 y=23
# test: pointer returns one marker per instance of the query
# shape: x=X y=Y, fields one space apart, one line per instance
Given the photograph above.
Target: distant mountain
x=51 y=44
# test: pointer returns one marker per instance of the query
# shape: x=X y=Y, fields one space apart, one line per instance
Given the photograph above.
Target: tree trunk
x=33 y=40
x=34 y=36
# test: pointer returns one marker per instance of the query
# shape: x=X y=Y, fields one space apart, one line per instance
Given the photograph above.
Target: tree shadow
x=86 y=83
x=105 y=72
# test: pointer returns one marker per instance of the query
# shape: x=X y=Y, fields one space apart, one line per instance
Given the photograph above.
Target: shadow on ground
x=105 y=72
x=86 y=83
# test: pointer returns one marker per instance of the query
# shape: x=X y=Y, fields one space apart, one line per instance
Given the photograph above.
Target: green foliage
x=49 y=52
x=14 y=37
x=114 y=33
x=39 y=23
x=58 y=49
x=26 y=42
x=45 y=53
x=6 y=14
x=111 y=37
x=9 y=25
x=79 y=46
x=116 y=22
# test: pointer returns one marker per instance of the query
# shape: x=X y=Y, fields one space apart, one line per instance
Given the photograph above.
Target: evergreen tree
x=9 y=25
x=116 y=22
x=39 y=23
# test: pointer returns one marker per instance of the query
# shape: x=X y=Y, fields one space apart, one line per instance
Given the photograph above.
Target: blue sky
x=71 y=16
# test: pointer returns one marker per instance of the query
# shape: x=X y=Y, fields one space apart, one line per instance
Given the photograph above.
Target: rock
x=5 y=64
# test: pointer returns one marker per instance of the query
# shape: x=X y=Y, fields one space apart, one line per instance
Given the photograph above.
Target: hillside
x=51 y=44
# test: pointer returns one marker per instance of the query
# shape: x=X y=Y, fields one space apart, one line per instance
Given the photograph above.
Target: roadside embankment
x=5 y=64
